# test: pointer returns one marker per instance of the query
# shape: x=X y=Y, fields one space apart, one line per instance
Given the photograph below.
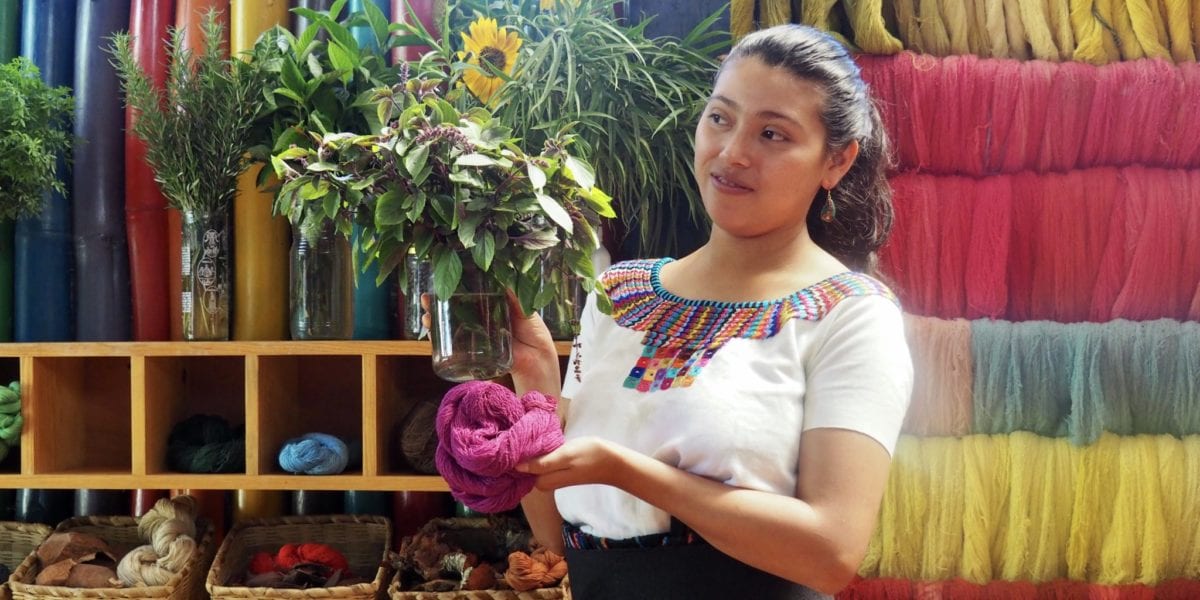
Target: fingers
x=426 y=320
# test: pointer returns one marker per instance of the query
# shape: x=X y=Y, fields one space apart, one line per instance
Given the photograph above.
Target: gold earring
x=829 y=213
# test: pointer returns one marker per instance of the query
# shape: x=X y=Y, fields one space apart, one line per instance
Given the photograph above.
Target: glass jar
x=563 y=312
x=204 y=251
x=471 y=330
x=322 y=285
x=416 y=284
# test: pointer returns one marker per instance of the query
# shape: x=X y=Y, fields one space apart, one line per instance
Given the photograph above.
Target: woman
x=730 y=425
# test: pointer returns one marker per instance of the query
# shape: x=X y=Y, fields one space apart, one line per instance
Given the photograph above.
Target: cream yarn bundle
x=170 y=528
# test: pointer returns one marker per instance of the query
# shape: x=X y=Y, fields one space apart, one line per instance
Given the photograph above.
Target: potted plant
x=633 y=99
x=457 y=187
x=321 y=79
x=197 y=132
x=35 y=129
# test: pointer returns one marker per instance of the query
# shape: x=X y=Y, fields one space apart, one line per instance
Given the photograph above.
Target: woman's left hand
x=579 y=461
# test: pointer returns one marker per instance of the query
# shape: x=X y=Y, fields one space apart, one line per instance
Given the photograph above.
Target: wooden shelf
x=98 y=415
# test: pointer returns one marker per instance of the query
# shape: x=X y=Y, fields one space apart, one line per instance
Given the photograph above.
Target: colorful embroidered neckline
x=682 y=335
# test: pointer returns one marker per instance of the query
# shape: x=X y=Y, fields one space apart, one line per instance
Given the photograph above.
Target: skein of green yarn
x=11 y=420
x=206 y=444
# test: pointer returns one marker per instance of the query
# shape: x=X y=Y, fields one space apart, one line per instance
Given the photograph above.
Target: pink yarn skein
x=484 y=430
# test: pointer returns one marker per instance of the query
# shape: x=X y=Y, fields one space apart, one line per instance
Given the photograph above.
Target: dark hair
x=862 y=199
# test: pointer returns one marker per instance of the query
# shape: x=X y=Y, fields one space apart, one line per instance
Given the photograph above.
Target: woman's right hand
x=535 y=357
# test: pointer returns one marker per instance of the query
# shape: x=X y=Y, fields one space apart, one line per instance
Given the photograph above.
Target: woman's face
x=760 y=150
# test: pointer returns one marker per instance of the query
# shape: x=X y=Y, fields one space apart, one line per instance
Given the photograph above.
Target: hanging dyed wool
x=941 y=355
x=1072 y=88
x=1150 y=96
x=1023 y=256
x=1035 y=533
x=954 y=19
x=1090 y=36
x=816 y=13
x=964 y=112
x=1147 y=27
x=1135 y=549
x=870 y=32
x=904 y=512
x=1117 y=13
x=1006 y=85
x=987 y=258
x=1070 y=239
x=1036 y=22
x=941 y=538
x=956 y=204
x=1183 y=135
x=910 y=257
x=992 y=13
x=986 y=474
x=977 y=40
x=1018 y=43
x=1018 y=382
x=1179 y=30
x=935 y=39
x=1113 y=266
x=741 y=18
x=778 y=12
x=1190 y=270
x=907 y=24
x=1059 y=14
x=1156 y=200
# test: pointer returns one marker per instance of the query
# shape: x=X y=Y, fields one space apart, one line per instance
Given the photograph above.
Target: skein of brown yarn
x=171 y=529
x=418 y=439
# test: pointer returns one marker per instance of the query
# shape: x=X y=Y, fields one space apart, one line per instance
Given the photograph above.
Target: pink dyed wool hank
x=484 y=430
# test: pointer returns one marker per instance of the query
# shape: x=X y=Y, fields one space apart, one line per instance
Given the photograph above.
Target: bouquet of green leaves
x=453 y=186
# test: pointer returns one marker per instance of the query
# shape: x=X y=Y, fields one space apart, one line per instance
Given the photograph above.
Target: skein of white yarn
x=170 y=528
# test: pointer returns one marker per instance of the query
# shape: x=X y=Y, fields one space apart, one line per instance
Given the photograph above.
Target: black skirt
x=674 y=566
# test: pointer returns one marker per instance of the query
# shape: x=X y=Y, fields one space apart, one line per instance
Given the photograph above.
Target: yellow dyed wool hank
x=1090 y=36
x=1117 y=13
x=958 y=26
x=1036 y=22
x=741 y=18
x=870 y=32
x=986 y=478
x=994 y=25
x=777 y=12
x=1144 y=24
x=1059 y=13
x=1179 y=30
x=935 y=39
x=907 y=24
x=1018 y=44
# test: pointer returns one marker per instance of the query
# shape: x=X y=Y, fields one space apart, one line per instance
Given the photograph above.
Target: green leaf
x=331 y=204
x=537 y=177
x=447 y=272
x=414 y=161
x=580 y=172
x=466 y=230
x=292 y=77
x=484 y=250
x=342 y=60
x=600 y=202
x=287 y=93
x=475 y=159
x=313 y=190
x=555 y=211
x=389 y=209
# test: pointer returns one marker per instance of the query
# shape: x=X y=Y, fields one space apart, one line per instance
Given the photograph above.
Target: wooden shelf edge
x=122 y=481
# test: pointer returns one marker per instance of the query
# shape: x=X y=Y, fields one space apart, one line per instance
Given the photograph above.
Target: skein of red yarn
x=290 y=555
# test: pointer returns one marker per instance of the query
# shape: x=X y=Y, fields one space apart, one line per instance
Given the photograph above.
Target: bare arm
x=817 y=538
x=535 y=368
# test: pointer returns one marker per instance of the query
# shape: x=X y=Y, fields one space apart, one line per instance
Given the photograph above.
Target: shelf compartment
x=10 y=369
x=401 y=383
x=299 y=394
x=179 y=387
x=77 y=412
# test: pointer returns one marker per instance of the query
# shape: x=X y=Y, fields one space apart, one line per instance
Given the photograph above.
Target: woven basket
x=474 y=535
x=121 y=533
x=554 y=593
x=363 y=539
x=17 y=541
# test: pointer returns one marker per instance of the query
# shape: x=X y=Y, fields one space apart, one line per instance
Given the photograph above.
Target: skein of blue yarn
x=314 y=454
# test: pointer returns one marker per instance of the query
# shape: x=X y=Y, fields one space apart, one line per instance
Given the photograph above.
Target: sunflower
x=495 y=45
